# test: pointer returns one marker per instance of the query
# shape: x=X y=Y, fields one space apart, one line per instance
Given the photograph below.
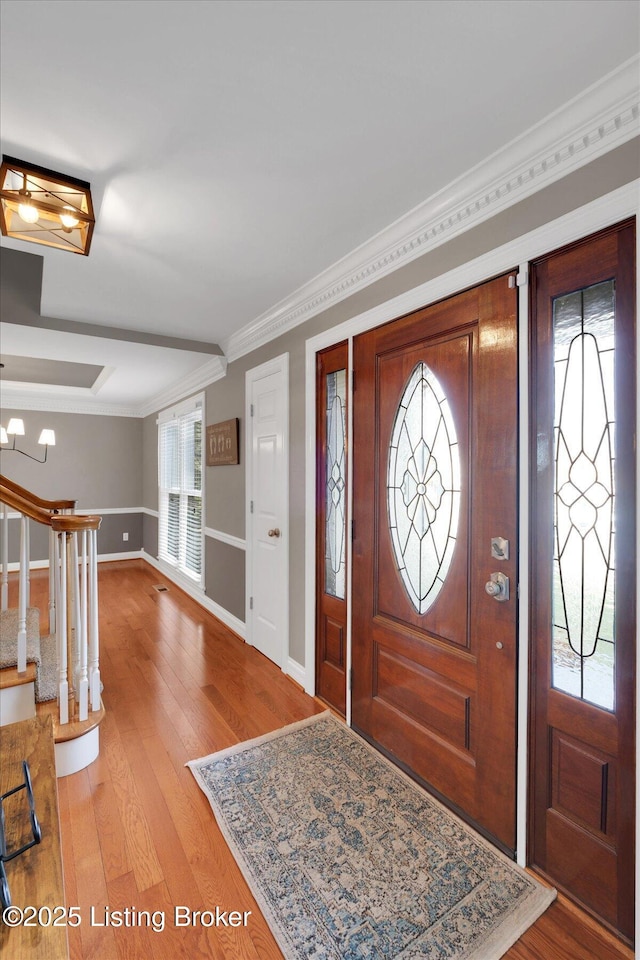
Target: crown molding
x=56 y=401
x=212 y=370
x=53 y=399
x=602 y=117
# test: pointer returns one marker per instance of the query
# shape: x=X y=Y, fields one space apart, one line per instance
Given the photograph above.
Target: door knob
x=274 y=533
x=498 y=587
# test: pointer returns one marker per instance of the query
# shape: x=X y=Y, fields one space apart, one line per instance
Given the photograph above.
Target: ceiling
x=238 y=150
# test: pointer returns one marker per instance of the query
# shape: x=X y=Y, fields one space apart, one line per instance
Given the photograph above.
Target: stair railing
x=73 y=594
x=51 y=506
x=76 y=565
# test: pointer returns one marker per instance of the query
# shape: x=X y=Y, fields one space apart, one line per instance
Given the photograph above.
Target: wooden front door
x=584 y=562
x=435 y=481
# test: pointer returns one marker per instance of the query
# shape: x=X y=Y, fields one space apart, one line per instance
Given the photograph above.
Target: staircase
x=55 y=671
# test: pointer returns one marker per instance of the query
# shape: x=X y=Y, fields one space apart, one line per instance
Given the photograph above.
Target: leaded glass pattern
x=423 y=487
x=335 y=486
x=584 y=495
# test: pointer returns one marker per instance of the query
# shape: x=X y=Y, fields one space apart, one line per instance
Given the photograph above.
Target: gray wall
x=224 y=399
x=224 y=566
x=96 y=460
x=109 y=536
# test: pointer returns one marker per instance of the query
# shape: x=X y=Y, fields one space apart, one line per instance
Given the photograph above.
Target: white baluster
x=22 y=596
x=82 y=686
x=94 y=663
x=28 y=565
x=76 y=630
x=5 y=556
x=61 y=631
x=52 y=583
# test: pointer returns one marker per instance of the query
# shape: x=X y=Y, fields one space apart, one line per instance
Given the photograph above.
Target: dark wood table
x=35 y=877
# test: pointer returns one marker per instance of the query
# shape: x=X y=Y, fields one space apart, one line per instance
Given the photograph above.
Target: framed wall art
x=222 y=443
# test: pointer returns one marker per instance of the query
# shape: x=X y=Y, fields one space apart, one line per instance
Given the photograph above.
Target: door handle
x=274 y=533
x=498 y=587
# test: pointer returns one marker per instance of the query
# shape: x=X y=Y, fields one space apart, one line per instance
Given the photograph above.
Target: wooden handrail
x=60 y=522
x=52 y=505
x=70 y=522
x=27 y=507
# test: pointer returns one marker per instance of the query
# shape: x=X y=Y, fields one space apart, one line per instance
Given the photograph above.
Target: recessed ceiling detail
x=60 y=372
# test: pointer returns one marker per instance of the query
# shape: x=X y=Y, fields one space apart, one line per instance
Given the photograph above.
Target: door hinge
x=350 y=678
x=353 y=530
x=519 y=279
x=251 y=409
x=353 y=381
x=250 y=603
x=251 y=506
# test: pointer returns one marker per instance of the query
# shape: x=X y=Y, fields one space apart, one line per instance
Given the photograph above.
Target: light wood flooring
x=137 y=832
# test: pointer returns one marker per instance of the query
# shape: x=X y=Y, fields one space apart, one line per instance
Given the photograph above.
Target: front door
x=434 y=548
x=584 y=568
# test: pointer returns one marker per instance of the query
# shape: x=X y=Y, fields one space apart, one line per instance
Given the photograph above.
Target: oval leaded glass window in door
x=423 y=487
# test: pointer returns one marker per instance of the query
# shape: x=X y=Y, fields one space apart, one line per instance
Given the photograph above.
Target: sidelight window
x=584 y=494
x=335 y=484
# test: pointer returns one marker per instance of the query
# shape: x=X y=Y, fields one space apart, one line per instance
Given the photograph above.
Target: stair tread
x=9 y=636
x=75 y=728
x=41 y=651
x=9 y=676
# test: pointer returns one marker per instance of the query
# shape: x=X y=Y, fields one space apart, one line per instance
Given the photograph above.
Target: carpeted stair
x=40 y=650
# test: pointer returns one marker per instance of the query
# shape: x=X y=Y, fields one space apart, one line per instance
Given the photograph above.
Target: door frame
x=279 y=365
x=596 y=215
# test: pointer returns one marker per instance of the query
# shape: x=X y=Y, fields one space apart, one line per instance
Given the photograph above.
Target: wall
x=225 y=487
x=96 y=460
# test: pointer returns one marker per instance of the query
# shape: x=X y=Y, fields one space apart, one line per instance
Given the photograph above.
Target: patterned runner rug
x=349 y=859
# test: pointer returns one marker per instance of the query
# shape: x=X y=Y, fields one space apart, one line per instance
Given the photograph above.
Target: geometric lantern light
x=45 y=207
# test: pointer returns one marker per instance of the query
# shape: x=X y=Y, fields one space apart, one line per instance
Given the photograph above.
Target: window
x=335 y=483
x=584 y=495
x=180 y=533
x=423 y=487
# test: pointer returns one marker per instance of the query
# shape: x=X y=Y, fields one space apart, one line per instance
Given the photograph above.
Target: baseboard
x=297 y=672
x=123 y=555
x=229 y=620
x=102 y=558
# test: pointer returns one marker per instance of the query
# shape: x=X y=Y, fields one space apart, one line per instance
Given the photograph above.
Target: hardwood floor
x=138 y=833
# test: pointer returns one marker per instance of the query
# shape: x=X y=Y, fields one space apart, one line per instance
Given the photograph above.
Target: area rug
x=349 y=859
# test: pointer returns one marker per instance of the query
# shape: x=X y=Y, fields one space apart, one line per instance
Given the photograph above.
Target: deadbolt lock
x=499 y=548
x=498 y=587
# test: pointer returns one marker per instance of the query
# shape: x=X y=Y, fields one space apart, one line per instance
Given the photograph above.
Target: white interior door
x=267 y=394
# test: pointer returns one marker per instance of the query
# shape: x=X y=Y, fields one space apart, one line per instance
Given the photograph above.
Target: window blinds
x=180 y=540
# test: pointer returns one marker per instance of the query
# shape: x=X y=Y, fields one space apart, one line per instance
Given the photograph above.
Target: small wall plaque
x=222 y=443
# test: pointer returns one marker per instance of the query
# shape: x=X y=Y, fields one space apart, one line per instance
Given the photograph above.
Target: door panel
x=583 y=621
x=331 y=529
x=435 y=456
